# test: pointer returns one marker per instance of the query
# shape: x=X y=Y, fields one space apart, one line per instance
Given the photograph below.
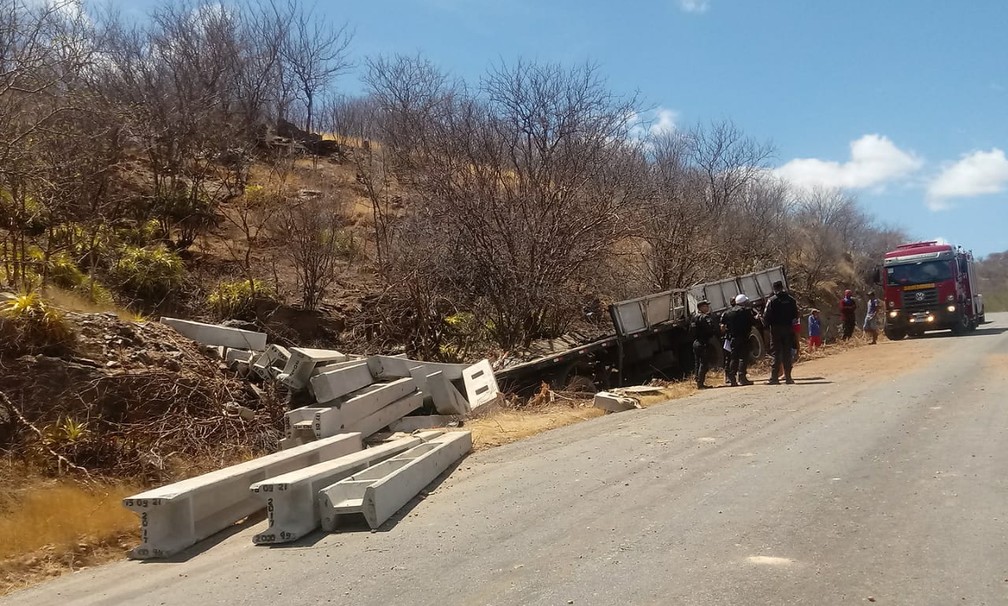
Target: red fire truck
x=929 y=286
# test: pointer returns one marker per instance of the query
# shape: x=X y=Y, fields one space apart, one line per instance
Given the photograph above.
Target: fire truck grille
x=920 y=300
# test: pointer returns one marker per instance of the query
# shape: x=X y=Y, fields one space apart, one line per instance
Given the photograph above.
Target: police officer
x=779 y=316
x=704 y=329
x=738 y=323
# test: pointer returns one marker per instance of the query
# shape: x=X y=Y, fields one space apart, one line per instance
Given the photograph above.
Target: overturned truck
x=650 y=338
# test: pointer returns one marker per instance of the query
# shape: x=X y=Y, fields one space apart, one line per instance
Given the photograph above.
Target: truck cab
x=929 y=286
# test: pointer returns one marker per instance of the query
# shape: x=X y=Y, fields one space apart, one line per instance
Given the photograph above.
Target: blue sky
x=902 y=102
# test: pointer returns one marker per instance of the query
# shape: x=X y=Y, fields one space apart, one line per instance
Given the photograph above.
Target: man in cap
x=848 y=309
x=704 y=329
x=779 y=316
x=738 y=323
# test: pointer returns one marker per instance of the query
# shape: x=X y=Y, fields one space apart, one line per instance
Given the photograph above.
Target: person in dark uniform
x=848 y=309
x=738 y=323
x=704 y=329
x=725 y=350
x=779 y=316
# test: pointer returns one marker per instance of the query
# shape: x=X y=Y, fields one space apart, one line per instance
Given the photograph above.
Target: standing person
x=738 y=323
x=814 y=330
x=726 y=347
x=871 y=318
x=848 y=310
x=704 y=329
x=779 y=316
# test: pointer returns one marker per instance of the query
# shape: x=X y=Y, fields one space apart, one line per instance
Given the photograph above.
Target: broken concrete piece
x=447 y=400
x=303 y=361
x=380 y=491
x=271 y=362
x=329 y=385
x=641 y=390
x=480 y=384
x=614 y=402
x=215 y=334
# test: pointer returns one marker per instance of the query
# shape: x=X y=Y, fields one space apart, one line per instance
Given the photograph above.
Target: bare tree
x=318 y=246
x=314 y=52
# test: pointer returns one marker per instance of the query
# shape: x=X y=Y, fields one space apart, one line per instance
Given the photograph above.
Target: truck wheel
x=894 y=334
x=962 y=325
x=757 y=345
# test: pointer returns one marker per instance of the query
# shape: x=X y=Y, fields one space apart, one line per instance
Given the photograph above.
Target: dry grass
x=505 y=425
x=52 y=527
x=70 y=301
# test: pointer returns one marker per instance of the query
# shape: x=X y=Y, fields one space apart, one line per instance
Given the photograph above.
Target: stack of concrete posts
x=342 y=392
x=291 y=499
x=178 y=515
x=381 y=490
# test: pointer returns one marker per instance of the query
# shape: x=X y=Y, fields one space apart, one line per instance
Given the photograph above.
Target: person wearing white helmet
x=738 y=323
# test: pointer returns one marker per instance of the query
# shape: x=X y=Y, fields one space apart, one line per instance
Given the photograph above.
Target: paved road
x=881 y=476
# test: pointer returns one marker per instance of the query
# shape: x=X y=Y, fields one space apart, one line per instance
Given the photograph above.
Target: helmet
x=848 y=293
x=702 y=302
x=741 y=299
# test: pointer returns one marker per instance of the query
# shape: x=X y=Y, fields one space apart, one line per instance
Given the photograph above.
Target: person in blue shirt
x=814 y=330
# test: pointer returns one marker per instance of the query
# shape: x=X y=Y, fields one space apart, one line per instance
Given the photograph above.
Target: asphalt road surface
x=879 y=478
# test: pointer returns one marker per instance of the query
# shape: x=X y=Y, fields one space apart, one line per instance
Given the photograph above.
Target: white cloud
x=664 y=121
x=874 y=161
x=656 y=122
x=694 y=6
x=975 y=174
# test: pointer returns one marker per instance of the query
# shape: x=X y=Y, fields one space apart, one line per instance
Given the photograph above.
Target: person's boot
x=789 y=380
x=744 y=380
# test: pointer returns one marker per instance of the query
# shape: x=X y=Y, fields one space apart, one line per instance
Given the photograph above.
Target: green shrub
x=150 y=272
x=235 y=299
x=35 y=323
x=63 y=272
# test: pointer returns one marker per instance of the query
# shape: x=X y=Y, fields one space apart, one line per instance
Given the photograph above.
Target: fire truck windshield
x=918 y=273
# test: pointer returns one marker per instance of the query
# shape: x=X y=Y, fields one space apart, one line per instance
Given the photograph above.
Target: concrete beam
x=480 y=384
x=380 y=491
x=214 y=334
x=381 y=418
x=299 y=415
x=330 y=421
x=447 y=400
x=178 y=515
x=269 y=364
x=302 y=362
x=392 y=367
x=291 y=499
x=409 y=424
x=328 y=386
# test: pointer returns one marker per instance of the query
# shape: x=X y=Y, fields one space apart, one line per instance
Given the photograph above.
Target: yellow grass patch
x=506 y=425
x=49 y=529
x=70 y=301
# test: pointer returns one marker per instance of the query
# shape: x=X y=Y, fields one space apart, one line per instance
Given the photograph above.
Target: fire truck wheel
x=962 y=325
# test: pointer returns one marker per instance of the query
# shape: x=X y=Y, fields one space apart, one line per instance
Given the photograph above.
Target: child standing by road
x=814 y=330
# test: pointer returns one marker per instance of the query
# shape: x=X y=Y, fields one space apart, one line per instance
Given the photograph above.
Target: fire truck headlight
x=930 y=319
x=893 y=313
x=951 y=308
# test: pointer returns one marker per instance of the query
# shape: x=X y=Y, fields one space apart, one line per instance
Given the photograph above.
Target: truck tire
x=757 y=345
x=962 y=325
